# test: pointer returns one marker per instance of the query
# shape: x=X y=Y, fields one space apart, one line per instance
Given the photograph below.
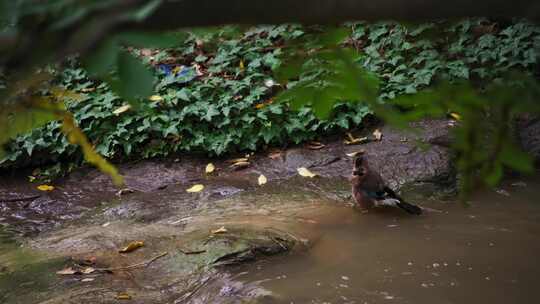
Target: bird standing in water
x=369 y=189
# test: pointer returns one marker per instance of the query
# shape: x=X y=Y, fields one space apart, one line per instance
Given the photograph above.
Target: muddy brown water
x=485 y=253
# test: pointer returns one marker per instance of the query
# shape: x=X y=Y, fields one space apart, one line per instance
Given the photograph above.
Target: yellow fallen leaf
x=240 y=165
x=356 y=141
x=377 y=134
x=455 y=116
x=353 y=154
x=67 y=271
x=315 y=145
x=353 y=140
x=241 y=65
x=88 y=270
x=155 y=98
x=195 y=188
x=238 y=160
x=262 y=180
x=122 y=109
x=210 y=168
x=305 y=172
x=219 y=230
x=45 y=188
x=132 y=246
x=123 y=296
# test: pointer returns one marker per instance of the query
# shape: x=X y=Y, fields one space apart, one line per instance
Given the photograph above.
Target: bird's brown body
x=369 y=189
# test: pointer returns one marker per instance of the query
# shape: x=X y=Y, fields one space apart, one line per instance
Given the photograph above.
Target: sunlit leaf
x=195 y=188
x=351 y=140
x=455 y=116
x=219 y=230
x=353 y=154
x=305 y=172
x=88 y=270
x=45 y=188
x=132 y=247
x=122 y=109
x=210 y=168
x=262 y=180
x=155 y=98
x=67 y=271
x=240 y=165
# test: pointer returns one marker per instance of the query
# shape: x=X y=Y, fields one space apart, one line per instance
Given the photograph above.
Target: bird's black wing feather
x=409 y=208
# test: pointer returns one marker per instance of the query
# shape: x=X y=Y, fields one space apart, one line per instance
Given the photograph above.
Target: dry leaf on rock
x=353 y=154
x=354 y=140
x=238 y=160
x=195 y=188
x=210 y=168
x=262 y=180
x=45 y=188
x=123 y=296
x=315 y=145
x=67 y=271
x=305 y=172
x=377 y=134
x=240 y=165
x=219 y=230
x=132 y=247
x=88 y=270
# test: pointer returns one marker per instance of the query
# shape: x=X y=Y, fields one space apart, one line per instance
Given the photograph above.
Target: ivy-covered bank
x=215 y=92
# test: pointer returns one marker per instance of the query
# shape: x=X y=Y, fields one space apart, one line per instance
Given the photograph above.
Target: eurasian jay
x=369 y=189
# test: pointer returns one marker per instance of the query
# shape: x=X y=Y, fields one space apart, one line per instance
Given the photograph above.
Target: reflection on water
x=486 y=253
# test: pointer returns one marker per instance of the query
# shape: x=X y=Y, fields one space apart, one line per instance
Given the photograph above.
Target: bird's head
x=359 y=166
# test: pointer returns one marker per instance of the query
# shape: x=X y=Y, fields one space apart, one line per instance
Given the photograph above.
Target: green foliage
x=410 y=58
x=219 y=99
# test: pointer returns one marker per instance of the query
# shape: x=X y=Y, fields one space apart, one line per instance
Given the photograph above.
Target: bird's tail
x=410 y=208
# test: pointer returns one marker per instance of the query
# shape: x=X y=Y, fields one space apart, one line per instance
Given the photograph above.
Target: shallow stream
x=484 y=253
